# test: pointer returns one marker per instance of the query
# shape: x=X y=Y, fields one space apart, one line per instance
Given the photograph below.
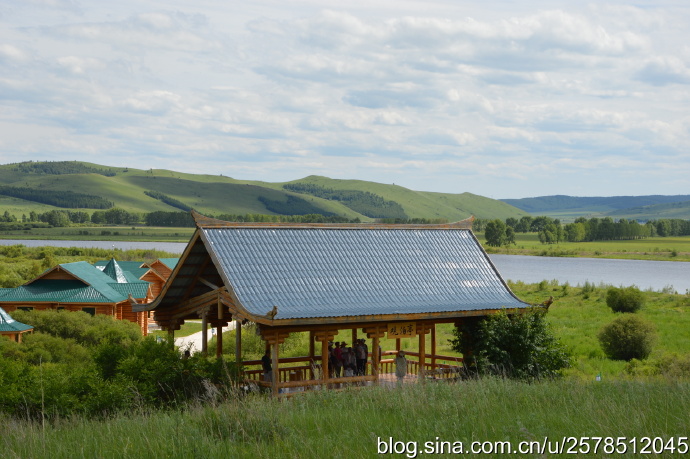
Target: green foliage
x=59 y=168
x=79 y=326
x=364 y=202
x=169 y=219
x=495 y=233
x=168 y=200
x=292 y=205
x=68 y=199
x=98 y=368
x=627 y=337
x=519 y=346
x=624 y=299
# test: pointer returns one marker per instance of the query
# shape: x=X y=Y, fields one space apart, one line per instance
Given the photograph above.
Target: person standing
x=400 y=366
x=362 y=358
x=266 y=364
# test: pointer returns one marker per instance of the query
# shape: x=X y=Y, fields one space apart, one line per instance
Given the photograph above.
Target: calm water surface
x=642 y=273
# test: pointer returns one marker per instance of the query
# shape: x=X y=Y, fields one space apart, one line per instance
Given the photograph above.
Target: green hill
x=639 y=207
x=137 y=190
x=655 y=212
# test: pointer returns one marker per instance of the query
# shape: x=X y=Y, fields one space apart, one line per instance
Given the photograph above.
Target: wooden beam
x=208 y=284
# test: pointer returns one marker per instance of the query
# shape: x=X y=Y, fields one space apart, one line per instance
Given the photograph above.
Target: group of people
x=347 y=361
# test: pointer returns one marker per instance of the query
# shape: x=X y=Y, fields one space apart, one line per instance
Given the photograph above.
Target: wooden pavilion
x=377 y=279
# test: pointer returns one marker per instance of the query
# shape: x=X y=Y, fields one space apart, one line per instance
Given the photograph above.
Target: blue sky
x=497 y=98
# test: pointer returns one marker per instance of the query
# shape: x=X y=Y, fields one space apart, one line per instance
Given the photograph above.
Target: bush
x=628 y=299
x=520 y=346
x=627 y=337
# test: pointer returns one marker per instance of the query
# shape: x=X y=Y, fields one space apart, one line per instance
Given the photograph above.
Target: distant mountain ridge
x=650 y=207
x=136 y=190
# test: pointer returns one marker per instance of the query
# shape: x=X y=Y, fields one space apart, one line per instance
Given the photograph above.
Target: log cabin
x=103 y=288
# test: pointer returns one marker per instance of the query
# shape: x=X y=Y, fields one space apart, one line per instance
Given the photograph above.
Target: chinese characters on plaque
x=402 y=330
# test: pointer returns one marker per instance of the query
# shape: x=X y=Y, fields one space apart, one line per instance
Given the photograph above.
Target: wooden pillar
x=422 y=352
x=311 y=353
x=433 y=346
x=422 y=329
x=204 y=334
x=274 y=339
x=276 y=368
x=219 y=341
x=397 y=344
x=354 y=337
x=324 y=336
x=374 y=333
x=238 y=342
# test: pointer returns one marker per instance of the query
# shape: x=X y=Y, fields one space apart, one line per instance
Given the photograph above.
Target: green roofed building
x=11 y=328
x=108 y=288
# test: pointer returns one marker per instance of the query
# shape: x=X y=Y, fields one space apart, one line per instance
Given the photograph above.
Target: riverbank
x=655 y=248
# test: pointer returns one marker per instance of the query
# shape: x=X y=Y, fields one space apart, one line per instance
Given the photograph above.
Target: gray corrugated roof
x=315 y=272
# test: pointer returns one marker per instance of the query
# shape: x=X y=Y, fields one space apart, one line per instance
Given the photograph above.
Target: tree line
x=66 y=199
x=550 y=230
x=363 y=202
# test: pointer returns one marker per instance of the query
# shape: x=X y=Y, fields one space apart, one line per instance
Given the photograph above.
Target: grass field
x=633 y=400
x=103 y=233
x=357 y=423
x=656 y=248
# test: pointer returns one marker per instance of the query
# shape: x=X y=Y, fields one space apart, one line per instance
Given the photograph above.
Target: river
x=642 y=273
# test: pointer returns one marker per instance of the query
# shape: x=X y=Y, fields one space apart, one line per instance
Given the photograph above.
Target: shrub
x=627 y=337
x=624 y=299
x=520 y=346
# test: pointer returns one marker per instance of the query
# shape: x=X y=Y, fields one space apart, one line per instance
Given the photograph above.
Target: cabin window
x=91 y=311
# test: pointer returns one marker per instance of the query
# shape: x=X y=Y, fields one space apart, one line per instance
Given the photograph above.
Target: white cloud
x=430 y=95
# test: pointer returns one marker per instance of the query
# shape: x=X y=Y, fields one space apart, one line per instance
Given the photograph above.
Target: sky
x=498 y=98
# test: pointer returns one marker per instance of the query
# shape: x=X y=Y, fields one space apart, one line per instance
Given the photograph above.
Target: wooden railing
x=305 y=373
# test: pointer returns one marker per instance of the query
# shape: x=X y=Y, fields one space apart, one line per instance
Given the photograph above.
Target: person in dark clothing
x=266 y=364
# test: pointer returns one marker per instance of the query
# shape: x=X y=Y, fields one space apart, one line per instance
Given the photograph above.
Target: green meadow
x=653 y=248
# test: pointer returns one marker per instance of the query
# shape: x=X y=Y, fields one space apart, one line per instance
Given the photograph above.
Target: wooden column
x=433 y=346
x=274 y=338
x=238 y=342
x=311 y=353
x=219 y=341
x=397 y=344
x=374 y=333
x=324 y=336
x=422 y=329
x=204 y=335
x=354 y=337
x=276 y=368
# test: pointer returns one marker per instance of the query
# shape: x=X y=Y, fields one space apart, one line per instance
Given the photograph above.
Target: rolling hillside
x=126 y=187
x=637 y=207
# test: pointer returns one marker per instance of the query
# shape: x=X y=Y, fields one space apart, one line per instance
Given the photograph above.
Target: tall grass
x=347 y=424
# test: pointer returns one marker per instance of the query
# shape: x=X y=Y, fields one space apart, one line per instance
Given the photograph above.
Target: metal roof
x=8 y=324
x=327 y=272
x=169 y=262
x=89 y=285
